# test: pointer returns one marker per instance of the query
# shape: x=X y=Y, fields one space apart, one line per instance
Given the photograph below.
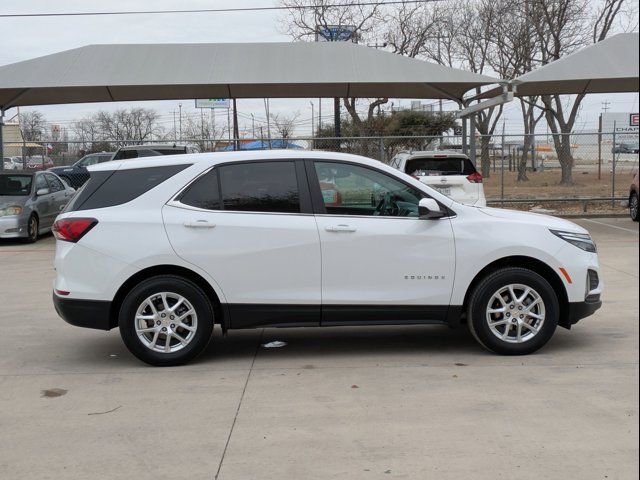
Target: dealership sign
x=212 y=103
x=624 y=124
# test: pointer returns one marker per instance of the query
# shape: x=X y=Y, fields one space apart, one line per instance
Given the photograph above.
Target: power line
x=214 y=10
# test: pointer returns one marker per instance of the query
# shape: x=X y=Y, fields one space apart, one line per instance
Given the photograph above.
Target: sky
x=25 y=38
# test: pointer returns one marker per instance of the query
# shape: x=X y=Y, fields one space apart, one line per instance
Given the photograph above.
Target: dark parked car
x=626 y=148
x=77 y=174
x=137 y=151
x=633 y=199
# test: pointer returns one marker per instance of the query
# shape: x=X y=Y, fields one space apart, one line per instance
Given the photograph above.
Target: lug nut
x=164 y=329
x=521 y=316
x=172 y=317
x=158 y=322
x=163 y=315
x=173 y=325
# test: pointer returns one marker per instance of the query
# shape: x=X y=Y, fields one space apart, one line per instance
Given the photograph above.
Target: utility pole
x=175 y=134
x=180 y=108
x=267 y=111
x=1 y=139
x=236 y=131
x=605 y=106
x=337 y=128
x=253 y=126
x=313 y=116
x=320 y=114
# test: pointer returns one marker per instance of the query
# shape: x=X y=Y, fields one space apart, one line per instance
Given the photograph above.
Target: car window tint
x=109 y=188
x=439 y=166
x=54 y=184
x=203 y=193
x=354 y=190
x=260 y=187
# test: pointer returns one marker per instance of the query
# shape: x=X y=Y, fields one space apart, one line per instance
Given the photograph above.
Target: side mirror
x=428 y=209
x=43 y=191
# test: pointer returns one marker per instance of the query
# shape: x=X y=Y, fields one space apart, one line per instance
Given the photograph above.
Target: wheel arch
x=530 y=263
x=219 y=310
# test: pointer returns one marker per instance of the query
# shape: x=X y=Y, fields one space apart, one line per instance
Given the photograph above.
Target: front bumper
x=94 y=314
x=13 y=227
x=579 y=310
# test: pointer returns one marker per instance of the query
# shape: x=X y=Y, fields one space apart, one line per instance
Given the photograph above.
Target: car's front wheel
x=633 y=206
x=33 y=229
x=166 y=320
x=513 y=311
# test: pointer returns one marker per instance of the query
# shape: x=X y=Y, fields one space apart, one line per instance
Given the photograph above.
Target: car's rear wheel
x=513 y=311
x=633 y=206
x=33 y=229
x=166 y=320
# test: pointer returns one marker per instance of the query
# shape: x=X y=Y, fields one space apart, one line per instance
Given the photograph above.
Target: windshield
x=15 y=185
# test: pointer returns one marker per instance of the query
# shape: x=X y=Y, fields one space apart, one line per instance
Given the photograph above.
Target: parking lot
x=346 y=403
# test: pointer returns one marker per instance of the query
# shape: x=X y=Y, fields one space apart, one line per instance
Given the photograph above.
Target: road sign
x=212 y=103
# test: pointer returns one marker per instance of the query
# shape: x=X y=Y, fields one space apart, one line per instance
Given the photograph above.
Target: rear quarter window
x=111 y=188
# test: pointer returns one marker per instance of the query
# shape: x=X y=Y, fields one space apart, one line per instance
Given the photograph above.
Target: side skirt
x=241 y=316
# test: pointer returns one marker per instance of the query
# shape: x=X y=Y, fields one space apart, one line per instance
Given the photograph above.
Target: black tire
x=174 y=284
x=633 y=206
x=479 y=303
x=33 y=229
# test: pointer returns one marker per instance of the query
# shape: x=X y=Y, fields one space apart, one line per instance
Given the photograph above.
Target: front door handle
x=199 y=224
x=341 y=228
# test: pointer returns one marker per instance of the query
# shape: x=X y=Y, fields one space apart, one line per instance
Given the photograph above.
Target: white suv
x=451 y=173
x=165 y=247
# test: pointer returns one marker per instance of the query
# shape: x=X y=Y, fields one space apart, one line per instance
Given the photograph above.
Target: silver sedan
x=30 y=203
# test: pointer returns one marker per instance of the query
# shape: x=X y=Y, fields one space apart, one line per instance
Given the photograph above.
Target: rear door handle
x=199 y=224
x=341 y=228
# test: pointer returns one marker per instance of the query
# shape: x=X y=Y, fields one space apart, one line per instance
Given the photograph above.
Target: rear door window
x=203 y=193
x=260 y=187
x=439 y=166
x=54 y=184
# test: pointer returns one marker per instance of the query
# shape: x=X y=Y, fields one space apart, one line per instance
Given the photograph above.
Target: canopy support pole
x=1 y=139
x=472 y=139
x=236 y=130
x=336 y=117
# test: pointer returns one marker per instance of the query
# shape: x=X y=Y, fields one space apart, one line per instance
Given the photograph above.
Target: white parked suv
x=165 y=247
x=451 y=173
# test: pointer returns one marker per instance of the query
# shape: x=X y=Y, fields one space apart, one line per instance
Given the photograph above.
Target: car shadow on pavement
x=309 y=344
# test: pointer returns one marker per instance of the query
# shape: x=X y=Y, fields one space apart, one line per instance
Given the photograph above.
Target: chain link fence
x=576 y=173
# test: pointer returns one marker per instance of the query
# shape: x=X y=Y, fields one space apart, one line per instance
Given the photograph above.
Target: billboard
x=212 y=103
x=336 y=33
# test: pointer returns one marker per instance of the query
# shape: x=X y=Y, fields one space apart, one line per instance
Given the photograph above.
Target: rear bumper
x=84 y=313
x=579 y=310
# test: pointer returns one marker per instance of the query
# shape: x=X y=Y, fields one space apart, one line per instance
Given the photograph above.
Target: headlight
x=580 y=240
x=5 y=212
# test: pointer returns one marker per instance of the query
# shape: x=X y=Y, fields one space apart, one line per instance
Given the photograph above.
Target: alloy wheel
x=166 y=322
x=515 y=313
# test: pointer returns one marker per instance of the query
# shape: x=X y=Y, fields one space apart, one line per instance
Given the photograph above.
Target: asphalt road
x=341 y=403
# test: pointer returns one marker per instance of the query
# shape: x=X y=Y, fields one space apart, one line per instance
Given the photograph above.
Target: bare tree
x=467 y=41
x=136 y=125
x=514 y=52
x=285 y=124
x=562 y=27
x=201 y=132
x=405 y=29
x=33 y=126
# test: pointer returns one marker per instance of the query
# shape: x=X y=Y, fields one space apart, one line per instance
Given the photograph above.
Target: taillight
x=475 y=177
x=73 y=229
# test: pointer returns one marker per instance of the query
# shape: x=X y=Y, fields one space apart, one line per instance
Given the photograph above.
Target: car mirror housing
x=42 y=191
x=428 y=209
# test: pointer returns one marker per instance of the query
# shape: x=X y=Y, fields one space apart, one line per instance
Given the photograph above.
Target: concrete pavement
x=340 y=403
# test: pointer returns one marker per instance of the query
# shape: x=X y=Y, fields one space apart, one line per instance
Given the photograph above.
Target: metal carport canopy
x=609 y=66
x=106 y=73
